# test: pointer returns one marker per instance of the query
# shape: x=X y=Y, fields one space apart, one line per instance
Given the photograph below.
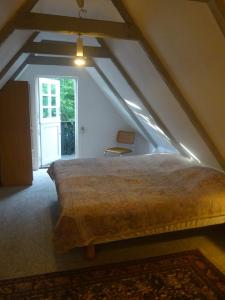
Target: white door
x=49 y=95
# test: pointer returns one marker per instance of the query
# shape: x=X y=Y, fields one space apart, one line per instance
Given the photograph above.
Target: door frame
x=36 y=117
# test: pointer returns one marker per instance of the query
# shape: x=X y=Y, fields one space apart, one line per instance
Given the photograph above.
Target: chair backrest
x=125 y=137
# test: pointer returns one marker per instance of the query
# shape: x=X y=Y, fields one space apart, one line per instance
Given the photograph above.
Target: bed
x=109 y=199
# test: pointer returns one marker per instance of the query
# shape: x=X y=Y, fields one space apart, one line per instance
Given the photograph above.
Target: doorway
x=57 y=99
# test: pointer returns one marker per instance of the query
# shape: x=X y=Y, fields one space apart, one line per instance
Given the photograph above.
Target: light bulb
x=80 y=61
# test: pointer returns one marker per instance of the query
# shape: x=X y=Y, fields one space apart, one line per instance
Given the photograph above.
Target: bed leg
x=89 y=252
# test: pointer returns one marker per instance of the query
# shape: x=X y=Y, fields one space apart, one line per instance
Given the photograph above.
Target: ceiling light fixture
x=80 y=60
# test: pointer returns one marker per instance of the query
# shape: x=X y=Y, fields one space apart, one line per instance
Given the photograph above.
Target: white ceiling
x=96 y=9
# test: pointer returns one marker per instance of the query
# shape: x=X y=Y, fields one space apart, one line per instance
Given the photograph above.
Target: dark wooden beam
x=170 y=82
x=143 y=99
x=63 y=49
x=55 y=61
x=9 y=27
x=47 y=61
x=217 y=8
x=70 y=25
x=20 y=69
x=11 y=63
x=124 y=104
x=16 y=56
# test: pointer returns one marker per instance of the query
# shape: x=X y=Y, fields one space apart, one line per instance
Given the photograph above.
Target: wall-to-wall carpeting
x=27 y=217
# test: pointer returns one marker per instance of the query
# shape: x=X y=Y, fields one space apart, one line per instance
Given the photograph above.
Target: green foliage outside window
x=67 y=90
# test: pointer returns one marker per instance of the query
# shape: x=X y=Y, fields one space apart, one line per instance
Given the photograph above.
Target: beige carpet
x=27 y=216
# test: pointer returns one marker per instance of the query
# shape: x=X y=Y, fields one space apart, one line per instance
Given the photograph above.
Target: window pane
x=45 y=100
x=53 y=89
x=45 y=112
x=53 y=112
x=53 y=101
x=44 y=88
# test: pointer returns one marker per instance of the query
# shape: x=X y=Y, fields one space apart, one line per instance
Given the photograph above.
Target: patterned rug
x=180 y=276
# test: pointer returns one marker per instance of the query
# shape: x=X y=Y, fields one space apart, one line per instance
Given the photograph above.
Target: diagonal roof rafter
x=126 y=107
x=17 y=56
x=141 y=96
x=9 y=27
x=170 y=82
x=217 y=8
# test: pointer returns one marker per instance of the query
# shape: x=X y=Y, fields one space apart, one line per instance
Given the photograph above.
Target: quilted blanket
x=108 y=199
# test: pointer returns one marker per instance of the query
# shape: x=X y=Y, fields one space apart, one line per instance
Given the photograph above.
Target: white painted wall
x=160 y=98
x=97 y=115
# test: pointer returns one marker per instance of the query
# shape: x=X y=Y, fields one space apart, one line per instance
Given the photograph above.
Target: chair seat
x=118 y=150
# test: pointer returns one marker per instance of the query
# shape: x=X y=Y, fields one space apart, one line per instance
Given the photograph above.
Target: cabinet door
x=15 y=148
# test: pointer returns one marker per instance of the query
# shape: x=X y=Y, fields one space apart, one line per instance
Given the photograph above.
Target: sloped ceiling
x=159 y=96
x=190 y=46
x=134 y=103
x=8 y=9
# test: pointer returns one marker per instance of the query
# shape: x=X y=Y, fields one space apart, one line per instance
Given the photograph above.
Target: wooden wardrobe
x=15 y=137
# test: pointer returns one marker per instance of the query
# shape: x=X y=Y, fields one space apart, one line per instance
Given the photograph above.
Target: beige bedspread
x=107 y=199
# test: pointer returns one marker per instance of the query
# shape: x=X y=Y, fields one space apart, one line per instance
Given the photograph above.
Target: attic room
x=79 y=218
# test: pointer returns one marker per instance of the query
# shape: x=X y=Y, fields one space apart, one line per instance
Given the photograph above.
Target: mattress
x=108 y=199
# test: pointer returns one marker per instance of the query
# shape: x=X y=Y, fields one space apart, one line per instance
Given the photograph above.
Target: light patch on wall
x=190 y=153
x=150 y=121
x=132 y=104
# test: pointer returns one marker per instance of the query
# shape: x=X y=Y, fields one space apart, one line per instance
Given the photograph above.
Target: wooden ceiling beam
x=9 y=27
x=47 y=61
x=217 y=8
x=142 y=98
x=16 y=56
x=5 y=70
x=20 y=69
x=63 y=49
x=55 y=61
x=170 y=82
x=72 y=25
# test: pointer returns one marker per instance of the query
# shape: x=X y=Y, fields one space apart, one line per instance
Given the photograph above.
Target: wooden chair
x=123 y=137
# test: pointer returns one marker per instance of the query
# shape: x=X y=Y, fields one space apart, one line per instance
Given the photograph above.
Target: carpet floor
x=180 y=276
